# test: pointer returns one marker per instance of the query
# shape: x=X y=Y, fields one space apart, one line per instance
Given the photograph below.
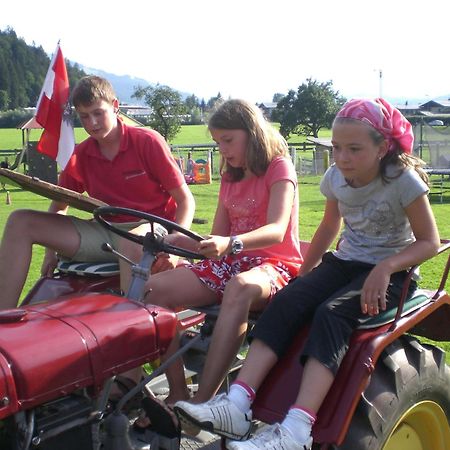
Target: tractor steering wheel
x=157 y=242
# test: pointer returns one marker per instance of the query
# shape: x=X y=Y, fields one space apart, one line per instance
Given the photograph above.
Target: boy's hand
x=49 y=263
x=164 y=262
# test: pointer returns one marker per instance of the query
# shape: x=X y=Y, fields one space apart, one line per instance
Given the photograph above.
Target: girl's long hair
x=264 y=143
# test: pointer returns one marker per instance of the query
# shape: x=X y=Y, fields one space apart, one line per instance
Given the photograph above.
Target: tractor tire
x=406 y=405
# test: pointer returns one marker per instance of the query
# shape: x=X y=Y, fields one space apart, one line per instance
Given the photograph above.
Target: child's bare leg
x=316 y=382
x=174 y=289
x=175 y=374
x=247 y=290
x=258 y=362
x=316 y=379
x=23 y=229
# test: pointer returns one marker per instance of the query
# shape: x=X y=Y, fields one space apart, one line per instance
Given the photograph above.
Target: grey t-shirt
x=375 y=223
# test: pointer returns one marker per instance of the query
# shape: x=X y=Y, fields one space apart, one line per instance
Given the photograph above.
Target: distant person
x=377 y=188
x=253 y=249
x=121 y=165
x=190 y=164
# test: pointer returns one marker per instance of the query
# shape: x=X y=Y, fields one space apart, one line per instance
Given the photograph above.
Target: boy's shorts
x=215 y=273
x=93 y=236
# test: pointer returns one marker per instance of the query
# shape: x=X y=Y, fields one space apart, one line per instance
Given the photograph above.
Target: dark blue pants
x=329 y=297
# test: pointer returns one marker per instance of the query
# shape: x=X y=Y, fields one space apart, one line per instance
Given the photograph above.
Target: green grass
x=311 y=208
x=11 y=138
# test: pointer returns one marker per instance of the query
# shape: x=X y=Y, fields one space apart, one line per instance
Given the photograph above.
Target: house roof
x=444 y=103
x=32 y=124
x=268 y=105
x=409 y=106
x=320 y=141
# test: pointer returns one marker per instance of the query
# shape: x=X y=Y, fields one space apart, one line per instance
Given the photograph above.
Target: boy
x=120 y=165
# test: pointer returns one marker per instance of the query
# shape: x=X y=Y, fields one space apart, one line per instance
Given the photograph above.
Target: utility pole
x=380 y=83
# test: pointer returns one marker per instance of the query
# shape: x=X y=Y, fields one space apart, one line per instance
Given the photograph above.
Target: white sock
x=241 y=397
x=299 y=424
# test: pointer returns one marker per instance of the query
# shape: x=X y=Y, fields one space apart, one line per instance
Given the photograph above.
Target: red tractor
x=62 y=349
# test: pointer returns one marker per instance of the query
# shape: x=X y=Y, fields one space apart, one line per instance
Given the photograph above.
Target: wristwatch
x=236 y=245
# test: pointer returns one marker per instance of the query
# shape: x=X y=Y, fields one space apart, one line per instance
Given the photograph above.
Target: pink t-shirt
x=139 y=177
x=247 y=201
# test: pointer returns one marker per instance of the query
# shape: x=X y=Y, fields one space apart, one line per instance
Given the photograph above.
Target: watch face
x=236 y=246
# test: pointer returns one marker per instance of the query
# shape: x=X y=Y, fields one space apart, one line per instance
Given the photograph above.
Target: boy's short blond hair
x=90 y=89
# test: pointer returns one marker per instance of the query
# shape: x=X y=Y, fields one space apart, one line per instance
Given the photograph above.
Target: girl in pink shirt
x=253 y=249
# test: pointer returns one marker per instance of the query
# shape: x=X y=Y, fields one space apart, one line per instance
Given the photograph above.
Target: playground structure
x=198 y=171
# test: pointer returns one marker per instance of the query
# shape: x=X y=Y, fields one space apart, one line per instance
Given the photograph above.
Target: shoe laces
x=264 y=438
x=217 y=400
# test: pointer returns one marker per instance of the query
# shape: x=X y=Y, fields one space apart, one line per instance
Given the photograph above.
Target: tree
x=167 y=108
x=191 y=102
x=213 y=100
x=4 y=100
x=23 y=69
x=277 y=97
x=306 y=111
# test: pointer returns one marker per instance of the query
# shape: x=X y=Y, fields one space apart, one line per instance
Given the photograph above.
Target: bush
x=14 y=118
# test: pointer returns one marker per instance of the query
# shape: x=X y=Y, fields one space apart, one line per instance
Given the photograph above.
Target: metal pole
x=381 y=83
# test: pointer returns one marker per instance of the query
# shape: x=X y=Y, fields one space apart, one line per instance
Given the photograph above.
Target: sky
x=251 y=49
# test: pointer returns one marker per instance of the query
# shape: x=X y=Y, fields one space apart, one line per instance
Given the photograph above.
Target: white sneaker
x=273 y=437
x=219 y=415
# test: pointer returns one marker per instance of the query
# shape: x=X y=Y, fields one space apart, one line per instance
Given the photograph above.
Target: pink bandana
x=382 y=116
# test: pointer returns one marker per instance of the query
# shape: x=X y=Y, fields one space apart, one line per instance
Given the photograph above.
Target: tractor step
x=204 y=441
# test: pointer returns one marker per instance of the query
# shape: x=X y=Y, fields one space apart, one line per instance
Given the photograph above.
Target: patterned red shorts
x=215 y=273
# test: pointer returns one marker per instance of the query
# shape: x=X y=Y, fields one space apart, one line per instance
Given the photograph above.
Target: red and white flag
x=53 y=113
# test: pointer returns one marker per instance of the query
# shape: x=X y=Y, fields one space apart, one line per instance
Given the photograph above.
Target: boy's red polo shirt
x=139 y=177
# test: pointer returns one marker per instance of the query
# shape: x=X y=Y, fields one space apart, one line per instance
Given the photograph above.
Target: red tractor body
x=49 y=350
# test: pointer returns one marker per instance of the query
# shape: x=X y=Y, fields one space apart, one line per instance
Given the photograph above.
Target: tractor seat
x=102 y=269
x=419 y=299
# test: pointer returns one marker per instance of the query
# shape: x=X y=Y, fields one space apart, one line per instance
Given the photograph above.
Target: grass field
x=311 y=207
x=11 y=138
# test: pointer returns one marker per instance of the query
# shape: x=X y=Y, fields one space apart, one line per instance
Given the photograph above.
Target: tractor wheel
x=406 y=404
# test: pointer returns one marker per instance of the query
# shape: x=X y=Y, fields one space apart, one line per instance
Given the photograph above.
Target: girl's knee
x=239 y=292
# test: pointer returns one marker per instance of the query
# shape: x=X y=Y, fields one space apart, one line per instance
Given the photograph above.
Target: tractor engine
x=56 y=359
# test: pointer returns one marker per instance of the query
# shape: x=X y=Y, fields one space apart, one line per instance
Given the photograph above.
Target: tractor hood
x=48 y=350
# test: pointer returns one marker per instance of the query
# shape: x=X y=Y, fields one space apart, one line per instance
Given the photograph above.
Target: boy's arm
x=185 y=205
x=58 y=207
x=183 y=216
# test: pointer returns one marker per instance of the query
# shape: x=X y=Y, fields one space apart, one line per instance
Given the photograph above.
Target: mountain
x=124 y=85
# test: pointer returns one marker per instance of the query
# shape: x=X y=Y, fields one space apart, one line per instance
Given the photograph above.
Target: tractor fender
x=51 y=349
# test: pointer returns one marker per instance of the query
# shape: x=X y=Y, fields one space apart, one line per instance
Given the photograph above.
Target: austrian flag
x=53 y=113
